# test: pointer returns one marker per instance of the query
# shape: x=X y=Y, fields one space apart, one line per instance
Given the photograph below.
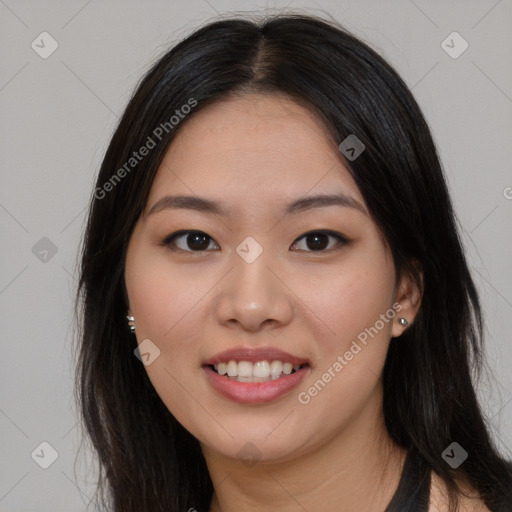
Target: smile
x=250 y=375
x=260 y=371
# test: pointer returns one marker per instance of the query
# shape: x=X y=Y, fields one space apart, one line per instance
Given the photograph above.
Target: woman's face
x=266 y=273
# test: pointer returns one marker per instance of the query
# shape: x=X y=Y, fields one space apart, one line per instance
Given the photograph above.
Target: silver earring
x=131 y=323
x=403 y=321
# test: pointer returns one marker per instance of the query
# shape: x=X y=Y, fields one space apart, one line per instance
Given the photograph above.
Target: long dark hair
x=148 y=461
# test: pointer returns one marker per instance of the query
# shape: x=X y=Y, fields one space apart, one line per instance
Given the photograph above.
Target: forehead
x=253 y=149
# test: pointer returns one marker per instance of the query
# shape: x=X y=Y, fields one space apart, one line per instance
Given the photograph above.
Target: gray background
x=58 y=113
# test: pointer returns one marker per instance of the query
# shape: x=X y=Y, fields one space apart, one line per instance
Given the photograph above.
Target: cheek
x=164 y=298
x=345 y=381
x=351 y=301
x=166 y=303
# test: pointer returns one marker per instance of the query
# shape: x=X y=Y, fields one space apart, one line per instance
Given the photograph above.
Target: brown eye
x=191 y=241
x=319 y=241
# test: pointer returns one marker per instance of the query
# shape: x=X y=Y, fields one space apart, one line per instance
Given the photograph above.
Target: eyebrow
x=205 y=205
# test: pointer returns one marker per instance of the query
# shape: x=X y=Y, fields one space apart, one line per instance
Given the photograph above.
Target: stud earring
x=403 y=321
x=131 y=323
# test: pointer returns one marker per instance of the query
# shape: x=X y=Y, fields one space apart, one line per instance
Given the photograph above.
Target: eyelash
x=169 y=240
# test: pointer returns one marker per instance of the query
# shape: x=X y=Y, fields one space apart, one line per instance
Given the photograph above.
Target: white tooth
x=245 y=369
x=276 y=369
x=287 y=368
x=232 y=369
x=261 y=369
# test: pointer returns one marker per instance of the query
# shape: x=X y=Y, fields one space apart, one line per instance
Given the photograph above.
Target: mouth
x=259 y=371
x=247 y=375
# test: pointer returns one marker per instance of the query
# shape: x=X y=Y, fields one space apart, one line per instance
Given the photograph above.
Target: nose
x=254 y=296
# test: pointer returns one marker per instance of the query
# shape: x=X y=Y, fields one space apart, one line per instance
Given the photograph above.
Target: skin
x=255 y=154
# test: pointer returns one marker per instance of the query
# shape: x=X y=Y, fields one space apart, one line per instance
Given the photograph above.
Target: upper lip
x=254 y=355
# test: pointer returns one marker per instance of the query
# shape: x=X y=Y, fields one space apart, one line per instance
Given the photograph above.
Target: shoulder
x=468 y=499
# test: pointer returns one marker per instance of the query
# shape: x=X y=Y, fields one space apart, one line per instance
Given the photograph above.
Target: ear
x=409 y=295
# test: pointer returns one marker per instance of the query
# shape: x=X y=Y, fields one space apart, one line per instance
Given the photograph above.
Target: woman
x=277 y=311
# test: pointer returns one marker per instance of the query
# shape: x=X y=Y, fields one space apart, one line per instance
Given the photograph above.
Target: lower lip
x=255 y=392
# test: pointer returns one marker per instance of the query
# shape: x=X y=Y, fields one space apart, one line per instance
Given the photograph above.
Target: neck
x=360 y=465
